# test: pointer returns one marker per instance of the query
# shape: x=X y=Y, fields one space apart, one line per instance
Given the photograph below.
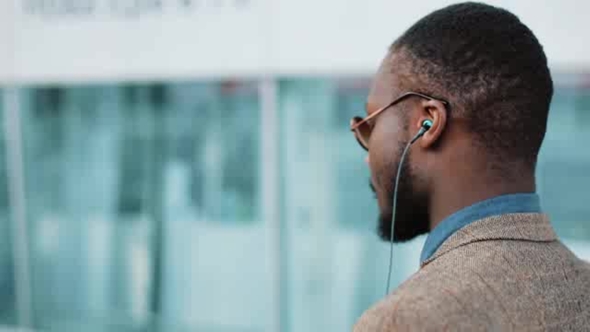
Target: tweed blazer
x=504 y=273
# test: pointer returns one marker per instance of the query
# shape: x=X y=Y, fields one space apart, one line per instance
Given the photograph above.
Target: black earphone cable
x=395 y=190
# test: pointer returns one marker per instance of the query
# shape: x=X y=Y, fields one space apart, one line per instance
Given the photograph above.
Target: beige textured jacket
x=505 y=273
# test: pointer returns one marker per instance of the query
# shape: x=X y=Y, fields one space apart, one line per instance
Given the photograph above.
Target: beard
x=412 y=217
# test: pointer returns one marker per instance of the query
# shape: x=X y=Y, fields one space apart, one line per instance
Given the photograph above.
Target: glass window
x=336 y=265
x=562 y=173
x=7 y=285
x=144 y=205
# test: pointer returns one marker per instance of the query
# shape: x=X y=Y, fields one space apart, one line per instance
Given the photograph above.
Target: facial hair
x=412 y=216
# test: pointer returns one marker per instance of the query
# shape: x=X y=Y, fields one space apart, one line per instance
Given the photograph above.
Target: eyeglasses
x=362 y=128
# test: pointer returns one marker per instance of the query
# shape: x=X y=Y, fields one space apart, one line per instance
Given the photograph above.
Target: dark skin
x=445 y=172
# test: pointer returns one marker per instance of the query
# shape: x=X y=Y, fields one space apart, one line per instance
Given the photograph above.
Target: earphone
x=426 y=125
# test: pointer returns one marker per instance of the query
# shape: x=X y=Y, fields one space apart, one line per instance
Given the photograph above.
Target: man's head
x=493 y=72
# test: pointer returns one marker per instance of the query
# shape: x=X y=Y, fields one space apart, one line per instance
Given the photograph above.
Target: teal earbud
x=427 y=124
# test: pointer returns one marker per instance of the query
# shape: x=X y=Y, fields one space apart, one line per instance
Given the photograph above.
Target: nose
x=367 y=160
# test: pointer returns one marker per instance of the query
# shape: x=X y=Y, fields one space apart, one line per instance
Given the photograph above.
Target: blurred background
x=186 y=165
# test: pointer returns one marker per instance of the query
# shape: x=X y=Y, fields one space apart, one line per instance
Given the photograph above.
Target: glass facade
x=7 y=277
x=145 y=205
x=336 y=264
x=563 y=172
x=145 y=199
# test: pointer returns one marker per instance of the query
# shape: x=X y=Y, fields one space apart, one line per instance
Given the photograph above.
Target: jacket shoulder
x=424 y=303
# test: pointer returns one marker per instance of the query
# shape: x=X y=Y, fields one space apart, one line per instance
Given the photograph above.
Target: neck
x=466 y=187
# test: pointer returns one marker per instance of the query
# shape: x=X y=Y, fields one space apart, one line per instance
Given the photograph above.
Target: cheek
x=381 y=161
x=380 y=179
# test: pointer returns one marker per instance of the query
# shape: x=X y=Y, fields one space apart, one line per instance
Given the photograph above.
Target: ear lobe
x=436 y=112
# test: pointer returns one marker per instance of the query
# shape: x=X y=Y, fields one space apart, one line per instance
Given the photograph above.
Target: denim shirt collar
x=505 y=204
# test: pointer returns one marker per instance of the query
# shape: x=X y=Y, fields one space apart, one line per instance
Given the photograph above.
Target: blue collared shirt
x=505 y=204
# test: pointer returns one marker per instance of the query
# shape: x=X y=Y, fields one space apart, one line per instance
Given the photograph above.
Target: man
x=474 y=81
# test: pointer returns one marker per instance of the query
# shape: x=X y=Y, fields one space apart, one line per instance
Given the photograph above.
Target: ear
x=435 y=111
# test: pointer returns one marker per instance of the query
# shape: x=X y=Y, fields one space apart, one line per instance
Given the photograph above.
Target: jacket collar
x=533 y=227
x=499 y=205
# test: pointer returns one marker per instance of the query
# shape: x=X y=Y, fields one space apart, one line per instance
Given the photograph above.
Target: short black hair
x=492 y=70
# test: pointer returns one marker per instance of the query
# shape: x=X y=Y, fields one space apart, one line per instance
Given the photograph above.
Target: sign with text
x=124 y=9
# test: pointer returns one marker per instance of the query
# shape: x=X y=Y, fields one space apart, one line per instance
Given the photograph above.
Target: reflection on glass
x=562 y=173
x=336 y=264
x=137 y=194
x=7 y=286
x=144 y=206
